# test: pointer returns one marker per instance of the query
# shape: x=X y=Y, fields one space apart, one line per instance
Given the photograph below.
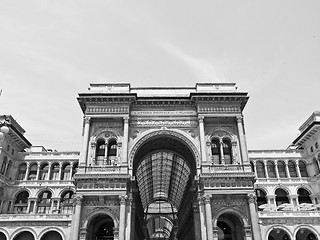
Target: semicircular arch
x=282 y=227
x=177 y=134
x=49 y=229
x=101 y=211
x=232 y=211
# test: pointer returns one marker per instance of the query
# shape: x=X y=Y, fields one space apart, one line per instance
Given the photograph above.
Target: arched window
x=112 y=152
x=261 y=197
x=7 y=173
x=282 y=169
x=215 y=151
x=67 y=202
x=54 y=175
x=260 y=170
x=303 y=196
x=66 y=172
x=227 y=151
x=44 y=202
x=281 y=196
x=311 y=149
x=33 y=168
x=271 y=169
x=44 y=169
x=22 y=171
x=100 y=151
x=316 y=166
x=303 y=169
x=21 y=202
x=4 y=165
x=317 y=145
x=292 y=169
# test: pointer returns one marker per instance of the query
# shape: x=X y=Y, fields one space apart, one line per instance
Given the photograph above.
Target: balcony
x=34 y=217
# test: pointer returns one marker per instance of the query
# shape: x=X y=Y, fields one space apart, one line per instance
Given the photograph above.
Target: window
x=271 y=169
x=67 y=202
x=282 y=169
x=33 y=168
x=54 y=175
x=44 y=202
x=44 y=171
x=316 y=145
x=21 y=202
x=100 y=151
x=303 y=169
x=66 y=172
x=281 y=196
x=260 y=170
x=261 y=197
x=303 y=196
x=112 y=152
x=311 y=149
x=292 y=169
x=227 y=151
x=316 y=166
x=4 y=165
x=22 y=171
x=215 y=151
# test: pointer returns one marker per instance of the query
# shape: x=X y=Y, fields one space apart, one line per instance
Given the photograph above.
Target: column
x=207 y=201
x=122 y=219
x=234 y=152
x=203 y=227
x=49 y=171
x=196 y=220
x=105 y=158
x=38 y=171
x=85 y=142
x=254 y=217
x=276 y=168
x=243 y=146
x=125 y=140
x=27 y=172
x=60 y=170
x=93 y=160
x=129 y=214
x=221 y=151
x=266 y=168
x=71 y=171
x=287 y=169
x=202 y=141
x=78 y=200
x=298 y=169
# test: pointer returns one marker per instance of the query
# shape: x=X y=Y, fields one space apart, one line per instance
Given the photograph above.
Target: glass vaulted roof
x=162 y=176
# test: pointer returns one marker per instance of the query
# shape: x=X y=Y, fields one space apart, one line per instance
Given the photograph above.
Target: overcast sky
x=51 y=50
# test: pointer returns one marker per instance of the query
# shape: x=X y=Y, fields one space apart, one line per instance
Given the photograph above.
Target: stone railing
x=43 y=182
x=226 y=168
x=289 y=214
x=112 y=169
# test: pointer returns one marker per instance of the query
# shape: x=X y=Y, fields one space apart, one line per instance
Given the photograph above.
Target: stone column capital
x=126 y=119
x=86 y=119
x=251 y=198
x=123 y=199
x=239 y=119
x=78 y=200
x=200 y=118
x=207 y=199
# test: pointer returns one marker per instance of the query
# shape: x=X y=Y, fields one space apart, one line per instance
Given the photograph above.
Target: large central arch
x=164 y=163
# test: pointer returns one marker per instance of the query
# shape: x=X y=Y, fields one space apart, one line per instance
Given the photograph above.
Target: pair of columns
x=85 y=143
x=205 y=211
x=125 y=217
x=242 y=138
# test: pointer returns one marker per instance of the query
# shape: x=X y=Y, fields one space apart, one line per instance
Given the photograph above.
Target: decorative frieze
x=219 y=109
x=103 y=109
x=163 y=113
x=163 y=123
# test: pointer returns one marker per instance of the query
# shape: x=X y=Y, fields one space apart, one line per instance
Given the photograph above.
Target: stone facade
x=160 y=163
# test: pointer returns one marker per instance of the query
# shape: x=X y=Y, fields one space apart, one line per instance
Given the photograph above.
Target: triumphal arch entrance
x=164 y=163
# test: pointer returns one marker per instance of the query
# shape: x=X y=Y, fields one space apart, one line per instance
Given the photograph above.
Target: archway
x=101 y=228
x=24 y=236
x=230 y=227
x=305 y=234
x=2 y=236
x=278 y=234
x=164 y=167
x=51 y=235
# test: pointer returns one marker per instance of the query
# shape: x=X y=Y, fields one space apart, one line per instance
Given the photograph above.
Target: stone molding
x=163 y=123
x=115 y=109
x=166 y=132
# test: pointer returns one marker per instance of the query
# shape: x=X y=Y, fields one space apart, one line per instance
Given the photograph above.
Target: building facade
x=160 y=163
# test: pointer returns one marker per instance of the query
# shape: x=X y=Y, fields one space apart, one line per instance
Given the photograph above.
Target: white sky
x=51 y=50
